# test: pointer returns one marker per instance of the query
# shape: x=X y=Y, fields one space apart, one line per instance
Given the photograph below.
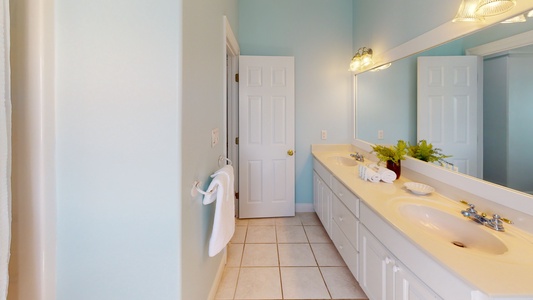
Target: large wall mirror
x=386 y=104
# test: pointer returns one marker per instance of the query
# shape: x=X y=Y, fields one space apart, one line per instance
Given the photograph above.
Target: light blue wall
x=319 y=35
x=495 y=120
x=118 y=145
x=384 y=24
x=140 y=85
x=202 y=110
x=390 y=95
x=386 y=100
x=520 y=112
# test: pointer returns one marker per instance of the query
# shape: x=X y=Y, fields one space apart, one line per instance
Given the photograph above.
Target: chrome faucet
x=358 y=157
x=471 y=213
x=495 y=223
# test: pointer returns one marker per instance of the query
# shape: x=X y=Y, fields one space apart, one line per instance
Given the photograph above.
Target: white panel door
x=266 y=136
x=450 y=108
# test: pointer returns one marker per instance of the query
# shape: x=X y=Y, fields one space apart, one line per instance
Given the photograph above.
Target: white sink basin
x=343 y=161
x=457 y=230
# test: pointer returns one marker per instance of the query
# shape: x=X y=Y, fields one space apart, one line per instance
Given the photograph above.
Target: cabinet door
x=316 y=192
x=408 y=287
x=327 y=196
x=322 y=196
x=372 y=265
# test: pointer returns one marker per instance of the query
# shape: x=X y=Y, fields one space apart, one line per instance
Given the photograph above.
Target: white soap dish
x=419 y=188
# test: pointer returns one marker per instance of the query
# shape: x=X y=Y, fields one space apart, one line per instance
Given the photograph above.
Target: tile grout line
x=279 y=262
x=240 y=262
x=277 y=243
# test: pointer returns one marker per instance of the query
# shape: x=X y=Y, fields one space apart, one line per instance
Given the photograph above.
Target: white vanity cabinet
x=338 y=210
x=382 y=276
x=389 y=261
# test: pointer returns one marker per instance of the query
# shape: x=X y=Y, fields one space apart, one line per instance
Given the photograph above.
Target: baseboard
x=218 y=277
x=304 y=207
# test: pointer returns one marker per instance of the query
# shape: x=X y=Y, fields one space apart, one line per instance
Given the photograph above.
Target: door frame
x=231 y=101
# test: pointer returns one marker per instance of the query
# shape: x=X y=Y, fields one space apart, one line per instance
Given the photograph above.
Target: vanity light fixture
x=489 y=8
x=361 y=59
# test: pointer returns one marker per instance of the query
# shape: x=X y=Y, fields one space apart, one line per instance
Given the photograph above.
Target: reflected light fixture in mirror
x=517 y=19
x=477 y=10
x=382 y=67
x=361 y=59
x=467 y=12
x=489 y=8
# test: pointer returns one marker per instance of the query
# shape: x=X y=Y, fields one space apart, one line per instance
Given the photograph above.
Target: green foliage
x=393 y=153
x=426 y=152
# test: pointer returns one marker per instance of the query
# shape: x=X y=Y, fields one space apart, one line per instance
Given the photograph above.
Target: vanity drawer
x=347 y=197
x=322 y=172
x=347 y=252
x=346 y=221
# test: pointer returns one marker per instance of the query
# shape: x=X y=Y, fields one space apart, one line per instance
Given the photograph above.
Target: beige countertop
x=505 y=271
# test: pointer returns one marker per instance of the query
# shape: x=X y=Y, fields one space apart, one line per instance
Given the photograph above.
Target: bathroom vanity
x=399 y=245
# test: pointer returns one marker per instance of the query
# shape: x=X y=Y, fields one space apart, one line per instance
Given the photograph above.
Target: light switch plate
x=215 y=136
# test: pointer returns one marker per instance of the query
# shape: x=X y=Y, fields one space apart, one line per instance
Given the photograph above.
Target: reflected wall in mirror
x=386 y=101
x=507 y=118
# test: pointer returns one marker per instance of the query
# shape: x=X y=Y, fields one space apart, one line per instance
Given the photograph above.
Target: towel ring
x=196 y=189
x=196 y=184
x=224 y=160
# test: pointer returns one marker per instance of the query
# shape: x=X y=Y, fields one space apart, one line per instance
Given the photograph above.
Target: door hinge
x=236 y=140
x=237 y=77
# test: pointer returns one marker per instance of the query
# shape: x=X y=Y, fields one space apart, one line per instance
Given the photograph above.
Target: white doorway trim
x=515 y=41
x=231 y=105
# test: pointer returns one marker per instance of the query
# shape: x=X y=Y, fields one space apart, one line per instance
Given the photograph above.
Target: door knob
x=290 y=152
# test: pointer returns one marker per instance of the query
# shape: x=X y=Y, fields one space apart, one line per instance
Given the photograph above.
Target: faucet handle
x=495 y=223
x=471 y=208
x=358 y=157
x=470 y=211
x=507 y=221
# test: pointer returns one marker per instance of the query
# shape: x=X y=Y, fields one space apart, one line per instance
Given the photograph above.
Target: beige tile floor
x=285 y=258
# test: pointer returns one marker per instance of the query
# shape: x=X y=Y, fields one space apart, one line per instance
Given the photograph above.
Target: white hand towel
x=387 y=175
x=372 y=175
x=362 y=170
x=224 y=221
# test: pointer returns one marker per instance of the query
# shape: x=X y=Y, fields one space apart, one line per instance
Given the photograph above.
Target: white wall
x=118 y=149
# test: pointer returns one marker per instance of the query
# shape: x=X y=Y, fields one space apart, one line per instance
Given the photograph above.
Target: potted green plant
x=424 y=151
x=392 y=155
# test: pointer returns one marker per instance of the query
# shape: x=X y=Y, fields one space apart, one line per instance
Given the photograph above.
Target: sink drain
x=459 y=244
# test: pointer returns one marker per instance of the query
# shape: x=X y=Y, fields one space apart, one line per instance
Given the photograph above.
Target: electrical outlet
x=380 y=134
x=324 y=134
x=214 y=137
